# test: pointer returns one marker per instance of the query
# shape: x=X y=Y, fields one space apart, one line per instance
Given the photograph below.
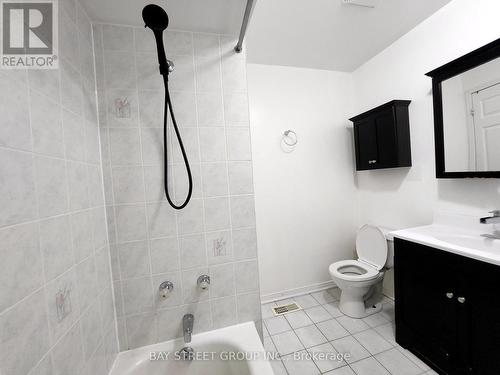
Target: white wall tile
x=165 y=255
x=148 y=73
x=222 y=280
x=78 y=185
x=219 y=247
x=215 y=181
x=137 y=295
x=247 y=280
x=47 y=185
x=25 y=337
x=130 y=222
x=238 y=144
x=74 y=133
x=217 y=214
x=55 y=244
x=45 y=81
x=243 y=211
x=128 y=184
x=46 y=126
x=21 y=268
x=210 y=110
x=51 y=186
x=71 y=87
x=193 y=251
x=178 y=42
x=125 y=146
x=240 y=177
x=15 y=130
x=119 y=70
x=123 y=108
x=190 y=219
x=87 y=282
x=119 y=38
x=134 y=259
x=65 y=285
x=17 y=194
x=151 y=108
x=245 y=244
x=161 y=220
x=68 y=352
x=236 y=109
x=224 y=312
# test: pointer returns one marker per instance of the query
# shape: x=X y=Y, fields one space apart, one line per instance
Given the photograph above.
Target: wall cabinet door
x=366 y=144
x=387 y=145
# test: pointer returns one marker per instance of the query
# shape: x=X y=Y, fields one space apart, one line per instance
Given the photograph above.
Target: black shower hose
x=168 y=107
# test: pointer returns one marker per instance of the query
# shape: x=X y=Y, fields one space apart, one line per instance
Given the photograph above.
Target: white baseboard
x=266 y=298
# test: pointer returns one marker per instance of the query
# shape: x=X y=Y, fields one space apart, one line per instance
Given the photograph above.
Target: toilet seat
x=371 y=246
x=353 y=270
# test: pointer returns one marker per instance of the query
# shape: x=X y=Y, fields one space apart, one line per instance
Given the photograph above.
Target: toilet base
x=357 y=309
x=357 y=305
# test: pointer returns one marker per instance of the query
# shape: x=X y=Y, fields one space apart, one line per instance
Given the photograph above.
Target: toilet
x=360 y=281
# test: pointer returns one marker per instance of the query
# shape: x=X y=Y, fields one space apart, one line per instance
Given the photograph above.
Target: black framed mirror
x=466 y=97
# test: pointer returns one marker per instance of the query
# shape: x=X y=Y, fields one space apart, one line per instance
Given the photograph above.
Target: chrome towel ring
x=288 y=141
x=290 y=138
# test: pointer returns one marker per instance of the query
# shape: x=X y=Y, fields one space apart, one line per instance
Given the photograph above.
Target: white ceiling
x=326 y=34
x=216 y=16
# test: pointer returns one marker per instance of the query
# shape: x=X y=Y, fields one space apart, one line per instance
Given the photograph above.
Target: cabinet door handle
x=449 y=295
x=461 y=299
x=372 y=161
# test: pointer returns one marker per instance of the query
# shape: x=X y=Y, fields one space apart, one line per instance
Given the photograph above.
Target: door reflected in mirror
x=471 y=119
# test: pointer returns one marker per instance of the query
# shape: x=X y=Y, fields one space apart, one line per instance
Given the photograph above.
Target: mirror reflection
x=471 y=119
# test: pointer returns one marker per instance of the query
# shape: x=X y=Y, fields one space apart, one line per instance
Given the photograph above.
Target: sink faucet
x=494 y=219
x=187 y=326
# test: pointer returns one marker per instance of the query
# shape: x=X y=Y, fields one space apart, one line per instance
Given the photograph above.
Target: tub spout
x=187 y=326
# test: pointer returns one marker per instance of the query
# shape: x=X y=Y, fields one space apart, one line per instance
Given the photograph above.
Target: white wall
x=402 y=197
x=305 y=200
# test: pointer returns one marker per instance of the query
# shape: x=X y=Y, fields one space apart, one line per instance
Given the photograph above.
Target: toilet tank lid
x=371 y=246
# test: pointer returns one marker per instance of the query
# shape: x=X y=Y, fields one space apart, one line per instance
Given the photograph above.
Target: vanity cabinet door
x=426 y=308
x=479 y=322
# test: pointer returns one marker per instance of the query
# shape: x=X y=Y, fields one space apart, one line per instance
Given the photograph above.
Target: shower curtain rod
x=244 y=25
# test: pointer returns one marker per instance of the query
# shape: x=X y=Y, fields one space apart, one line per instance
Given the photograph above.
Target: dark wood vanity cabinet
x=382 y=137
x=447 y=309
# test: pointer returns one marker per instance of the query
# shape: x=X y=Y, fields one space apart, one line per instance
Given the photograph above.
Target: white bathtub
x=218 y=344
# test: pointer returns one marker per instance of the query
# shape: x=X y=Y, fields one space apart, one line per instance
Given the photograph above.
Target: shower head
x=157 y=20
x=155 y=17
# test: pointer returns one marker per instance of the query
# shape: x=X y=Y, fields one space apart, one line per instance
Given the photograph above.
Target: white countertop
x=455 y=239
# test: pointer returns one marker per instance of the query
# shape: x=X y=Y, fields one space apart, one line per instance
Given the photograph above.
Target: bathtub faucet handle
x=187 y=326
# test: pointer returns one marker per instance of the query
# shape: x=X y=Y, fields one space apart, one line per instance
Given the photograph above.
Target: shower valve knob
x=204 y=282
x=165 y=289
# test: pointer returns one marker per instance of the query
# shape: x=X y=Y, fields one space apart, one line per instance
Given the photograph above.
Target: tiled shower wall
x=56 y=300
x=215 y=234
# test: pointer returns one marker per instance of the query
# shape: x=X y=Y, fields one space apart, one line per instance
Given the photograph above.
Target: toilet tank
x=390 y=246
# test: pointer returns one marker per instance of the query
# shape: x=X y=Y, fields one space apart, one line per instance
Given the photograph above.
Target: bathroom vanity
x=447 y=300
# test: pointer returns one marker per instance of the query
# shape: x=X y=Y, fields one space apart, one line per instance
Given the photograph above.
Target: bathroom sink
x=471 y=241
x=466 y=241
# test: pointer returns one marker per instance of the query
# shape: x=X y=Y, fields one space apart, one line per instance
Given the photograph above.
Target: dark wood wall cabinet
x=447 y=309
x=382 y=137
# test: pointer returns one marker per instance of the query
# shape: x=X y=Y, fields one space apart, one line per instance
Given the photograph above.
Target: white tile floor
x=322 y=328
